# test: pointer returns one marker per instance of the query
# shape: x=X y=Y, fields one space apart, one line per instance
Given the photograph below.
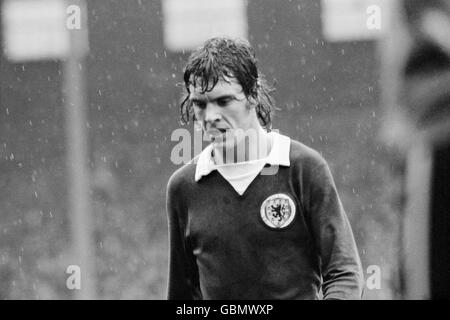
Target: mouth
x=216 y=133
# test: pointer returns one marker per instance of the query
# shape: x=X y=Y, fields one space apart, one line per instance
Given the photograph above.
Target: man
x=256 y=215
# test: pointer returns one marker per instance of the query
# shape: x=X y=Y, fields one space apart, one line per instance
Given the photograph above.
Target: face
x=223 y=110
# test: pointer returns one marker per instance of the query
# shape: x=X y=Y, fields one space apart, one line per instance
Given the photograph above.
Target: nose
x=212 y=114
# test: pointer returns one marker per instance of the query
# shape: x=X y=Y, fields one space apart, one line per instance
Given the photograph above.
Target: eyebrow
x=225 y=96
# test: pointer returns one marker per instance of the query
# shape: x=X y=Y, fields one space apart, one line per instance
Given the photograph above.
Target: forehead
x=227 y=86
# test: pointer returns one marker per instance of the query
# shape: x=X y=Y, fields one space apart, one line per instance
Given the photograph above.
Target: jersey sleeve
x=183 y=273
x=340 y=263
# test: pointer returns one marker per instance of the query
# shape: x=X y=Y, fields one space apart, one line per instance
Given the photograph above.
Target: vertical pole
x=393 y=49
x=417 y=221
x=396 y=129
x=82 y=224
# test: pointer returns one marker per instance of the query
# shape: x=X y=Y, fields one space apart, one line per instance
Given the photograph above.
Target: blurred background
x=89 y=102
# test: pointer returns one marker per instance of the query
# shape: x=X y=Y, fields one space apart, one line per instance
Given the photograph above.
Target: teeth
x=217 y=132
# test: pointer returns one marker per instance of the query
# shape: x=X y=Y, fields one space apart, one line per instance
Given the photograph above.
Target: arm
x=183 y=274
x=333 y=236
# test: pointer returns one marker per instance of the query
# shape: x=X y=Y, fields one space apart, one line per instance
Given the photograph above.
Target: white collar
x=279 y=155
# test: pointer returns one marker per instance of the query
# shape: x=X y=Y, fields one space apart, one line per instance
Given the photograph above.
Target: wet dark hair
x=223 y=57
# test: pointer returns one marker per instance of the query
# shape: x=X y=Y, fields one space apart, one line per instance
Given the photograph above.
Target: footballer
x=256 y=215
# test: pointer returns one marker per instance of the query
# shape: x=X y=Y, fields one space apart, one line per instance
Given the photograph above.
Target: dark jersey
x=286 y=237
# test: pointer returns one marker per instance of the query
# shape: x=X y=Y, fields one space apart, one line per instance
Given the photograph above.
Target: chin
x=225 y=144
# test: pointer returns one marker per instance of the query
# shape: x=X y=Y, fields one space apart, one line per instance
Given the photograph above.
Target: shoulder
x=182 y=176
x=310 y=166
x=305 y=156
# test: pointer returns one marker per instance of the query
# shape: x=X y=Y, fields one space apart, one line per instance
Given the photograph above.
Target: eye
x=223 y=102
x=199 y=104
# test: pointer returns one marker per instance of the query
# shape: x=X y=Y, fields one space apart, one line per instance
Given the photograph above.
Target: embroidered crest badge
x=278 y=211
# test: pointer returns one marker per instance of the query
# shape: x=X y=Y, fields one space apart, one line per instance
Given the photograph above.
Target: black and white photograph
x=231 y=150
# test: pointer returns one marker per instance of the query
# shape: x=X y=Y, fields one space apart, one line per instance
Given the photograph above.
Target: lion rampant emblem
x=278 y=211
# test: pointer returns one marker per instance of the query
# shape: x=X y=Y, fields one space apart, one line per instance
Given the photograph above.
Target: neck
x=249 y=145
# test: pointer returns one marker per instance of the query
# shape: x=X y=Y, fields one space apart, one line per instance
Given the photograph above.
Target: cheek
x=243 y=117
x=198 y=113
x=240 y=114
